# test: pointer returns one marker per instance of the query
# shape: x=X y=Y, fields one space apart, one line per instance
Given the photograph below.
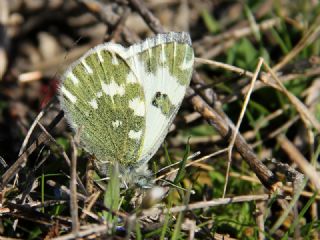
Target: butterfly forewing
x=104 y=99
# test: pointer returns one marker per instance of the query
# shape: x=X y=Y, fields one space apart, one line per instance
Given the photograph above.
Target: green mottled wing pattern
x=124 y=100
x=105 y=101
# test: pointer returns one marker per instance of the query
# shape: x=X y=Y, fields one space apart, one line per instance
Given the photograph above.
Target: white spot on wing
x=114 y=59
x=73 y=78
x=135 y=135
x=99 y=94
x=112 y=89
x=137 y=106
x=93 y=103
x=186 y=64
x=113 y=47
x=86 y=66
x=163 y=54
x=68 y=94
x=100 y=56
x=150 y=52
x=136 y=65
x=116 y=123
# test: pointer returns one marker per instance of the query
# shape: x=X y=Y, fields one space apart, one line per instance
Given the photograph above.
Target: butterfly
x=125 y=99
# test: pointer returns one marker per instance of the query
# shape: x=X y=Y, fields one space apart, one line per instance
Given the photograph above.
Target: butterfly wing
x=164 y=66
x=103 y=98
x=124 y=100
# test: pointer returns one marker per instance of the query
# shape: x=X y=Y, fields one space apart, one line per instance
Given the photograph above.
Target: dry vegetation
x=250 y=119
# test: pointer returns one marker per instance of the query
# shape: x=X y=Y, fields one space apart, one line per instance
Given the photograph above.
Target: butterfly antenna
x=177 y=163
x=176 y=186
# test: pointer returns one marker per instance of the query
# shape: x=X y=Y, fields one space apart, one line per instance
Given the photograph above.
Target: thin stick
x=33 y=125
x=87 y=210
x=260 y=209
x=3 y=162
x=73 y=190
x=219 y=202
x=149 y=18
x=236 y=130
x=229 y=67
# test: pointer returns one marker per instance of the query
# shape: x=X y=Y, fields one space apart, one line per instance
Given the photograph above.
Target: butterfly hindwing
x=104 y=99
x=164 y=66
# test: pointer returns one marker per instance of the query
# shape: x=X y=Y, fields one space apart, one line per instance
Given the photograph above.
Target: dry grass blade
x=219 y=202
x=73 y=190
x=236 y=130
x=310 y=36
x=152 y=21
x=301 y=108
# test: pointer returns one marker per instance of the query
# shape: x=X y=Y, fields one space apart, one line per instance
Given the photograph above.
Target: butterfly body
x=125 y=99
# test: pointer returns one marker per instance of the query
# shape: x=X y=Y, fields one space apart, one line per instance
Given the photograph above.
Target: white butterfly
x=125 y=99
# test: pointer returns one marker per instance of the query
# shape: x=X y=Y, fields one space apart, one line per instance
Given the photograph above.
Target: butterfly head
x=139 y=177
